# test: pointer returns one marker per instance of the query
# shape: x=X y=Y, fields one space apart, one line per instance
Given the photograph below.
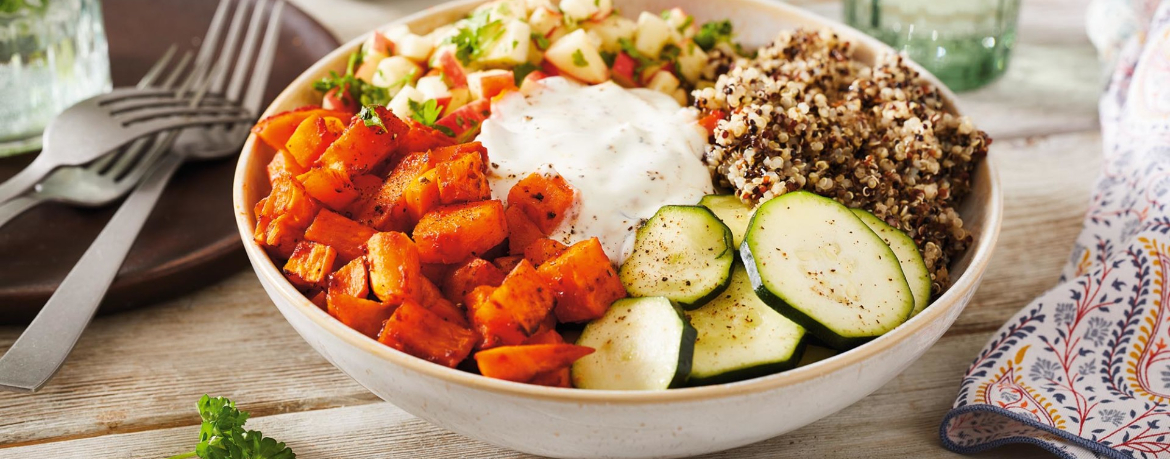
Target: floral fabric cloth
x=1084 y=370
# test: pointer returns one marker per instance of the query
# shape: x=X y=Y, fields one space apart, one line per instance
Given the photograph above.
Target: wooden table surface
x=130 y=387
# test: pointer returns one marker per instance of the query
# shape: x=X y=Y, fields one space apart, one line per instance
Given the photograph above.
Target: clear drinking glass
x=965 y=43
x=53 y=53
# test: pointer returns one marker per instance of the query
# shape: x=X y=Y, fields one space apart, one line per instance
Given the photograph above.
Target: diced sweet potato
x=515 y=310
x=360 y=148
x=281 y=218
x=277 y=129
x=462 y=180
x=544 y=198
x=422 y=195
x=451 y=152
x=365 y=316
x=343 y=234
x=584 y=280
x=521 y=231
x=549 y=336
x=394 y=266
x=330 y=186
x=283 y=166
x=436 y=272
x=542 y=250
x=422 y=138
x=428 y=296
x=320 y=299
x=522 y=363
x=386 y=210
x=508 y=263
x=353 y=279
x=560 y=377
x=312 y=137
x=469 y=275
x=366 y=185
x=417 y=331
x=310 y=265
x=454 y=233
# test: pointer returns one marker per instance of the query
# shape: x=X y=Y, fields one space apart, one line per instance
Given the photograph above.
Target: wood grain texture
x=129 y=389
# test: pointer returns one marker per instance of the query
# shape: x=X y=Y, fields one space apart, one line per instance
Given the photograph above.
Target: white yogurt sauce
x=626 y=151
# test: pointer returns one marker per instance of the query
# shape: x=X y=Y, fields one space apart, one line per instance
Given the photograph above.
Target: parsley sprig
x=222 y=435
x=713 y=32
x=14 y=6
x=471 y=40
x=370 y=117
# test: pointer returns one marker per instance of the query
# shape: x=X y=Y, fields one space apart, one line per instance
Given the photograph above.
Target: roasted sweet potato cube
x=366 y=185
x=422 y=195
x=320 y=299
x=428 y=296
x=508 y=263
x=491 y=321
x=353 y=279
x=453 y=233
x=524 y=362
x=422 y=138
x=451 y=152
x=386 y=209
x=462 y=180
x=521 y=231
x=310 y=265
x=417 y=331
x=281 y=218
x=312 y=137
x=560 y=377
x=548 y=336
x=515 y=310
x=394 y=266
x=363 y=146
x=542 y=250
x=584 y=280
x=365 y=316
x=282 y=165
x=343 y=234
x=275 y=130
x=545 y=198
x=469 y=275
x=330 y=186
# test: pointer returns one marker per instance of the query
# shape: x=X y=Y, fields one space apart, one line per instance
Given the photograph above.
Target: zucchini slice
x=732 y=211
x=908 y=256
x=640 y=344
x=683 y=253
x=818 y=264
x=740 y=337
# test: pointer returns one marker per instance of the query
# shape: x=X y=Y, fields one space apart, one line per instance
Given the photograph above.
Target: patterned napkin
x=1084 y=370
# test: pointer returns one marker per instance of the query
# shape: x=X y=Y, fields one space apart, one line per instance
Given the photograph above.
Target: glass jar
x=965 y=43
x=53 y=53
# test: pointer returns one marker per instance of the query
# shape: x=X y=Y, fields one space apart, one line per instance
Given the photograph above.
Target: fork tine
x=246 y=52
x=154 y=125
x=230 y=47
x=139 y=116
x=178 y=70
x=258 y=80
x=157 y=68
x=211 y=38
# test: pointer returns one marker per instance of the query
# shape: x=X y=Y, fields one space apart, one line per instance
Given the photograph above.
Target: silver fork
x=39 y=352
x=113 y=175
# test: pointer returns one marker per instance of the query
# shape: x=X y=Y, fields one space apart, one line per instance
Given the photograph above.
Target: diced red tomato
x=465 y=121
x=624 y=68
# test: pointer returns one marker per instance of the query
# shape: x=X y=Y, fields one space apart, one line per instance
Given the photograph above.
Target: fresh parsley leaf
x=579 y=59
x=15 y=6
x=348 y=83
x=665 y=14
x=643 y=60
x=374 y=95
x=686 y=23
x=222 y=435
x=425 y=113
x=472 y=39
x=713 y=32
x=541 y=41
x=608 y=57
x=522 y=70
x=370 y=117
x=444 y=129
x=670 y=52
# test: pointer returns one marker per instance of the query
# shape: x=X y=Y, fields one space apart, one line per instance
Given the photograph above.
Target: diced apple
x=369 y=67
x=505 y=9
x=378 y=43
x=681 y=22
x=576 y=56
x=339 y=99
x=651 y=35
x=612 y=30
x=400 y=104
x=439 y=35
x=593 y=38
x=534 y=4
x=432 y=87
x=395 y=72
x=544 y=20
x=454 y=74
x=488 y=83
x=624 y=68
x=650 y=71
x=535 y=54
x=465 y=122
x=664 y=82
x=531 y=81
x=414 y=47
x=680 y=96
x=604 y=10
x=511 y=48
x=691 y=60
x=579 y=10
x=459 y=98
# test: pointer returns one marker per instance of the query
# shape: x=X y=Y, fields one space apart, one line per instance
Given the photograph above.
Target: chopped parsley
x=713 y=32
x=473 y=38
x=541 y=41
x=686 y=23
x=579 y=59
x=522 y=70
x=642 y=59
x=370 y=117
x=608 y=57
x=222 y=435
x=425 y=113
x=346 y=82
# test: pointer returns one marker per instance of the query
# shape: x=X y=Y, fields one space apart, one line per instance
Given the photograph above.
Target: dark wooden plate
x=190 y=240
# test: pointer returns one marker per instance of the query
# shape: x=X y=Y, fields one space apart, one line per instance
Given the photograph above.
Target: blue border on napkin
x=1090 y=445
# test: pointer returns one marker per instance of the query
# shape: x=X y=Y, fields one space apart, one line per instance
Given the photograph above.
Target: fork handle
x=39 y=352
x=17 y=206
x=26 y=179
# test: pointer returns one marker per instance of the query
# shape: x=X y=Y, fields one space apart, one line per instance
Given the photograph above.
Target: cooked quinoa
x=803 y=114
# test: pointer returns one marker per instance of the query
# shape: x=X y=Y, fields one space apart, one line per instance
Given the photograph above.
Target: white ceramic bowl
x=591 y=423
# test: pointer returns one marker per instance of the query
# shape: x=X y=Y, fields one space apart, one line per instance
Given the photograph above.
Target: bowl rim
x=265 y=268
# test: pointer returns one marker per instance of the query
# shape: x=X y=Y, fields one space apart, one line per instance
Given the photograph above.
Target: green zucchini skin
x=632 y=278
x=755 y=371
x=731 y=211
x=632 y=325
x=913 y=267
x=686 y=351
